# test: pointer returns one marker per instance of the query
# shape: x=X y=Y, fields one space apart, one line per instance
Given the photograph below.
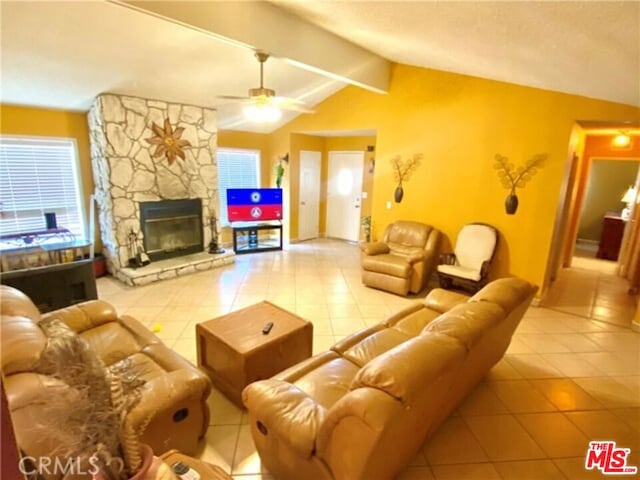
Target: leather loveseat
x=172 y=412
x=362 y=410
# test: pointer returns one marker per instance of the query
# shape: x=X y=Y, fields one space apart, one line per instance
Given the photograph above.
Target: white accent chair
x=468 y=266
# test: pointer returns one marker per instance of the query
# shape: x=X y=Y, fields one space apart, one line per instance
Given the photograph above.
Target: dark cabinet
x=611 y=237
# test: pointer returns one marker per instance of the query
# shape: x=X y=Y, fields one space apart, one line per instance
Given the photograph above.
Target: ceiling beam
x=262 y=26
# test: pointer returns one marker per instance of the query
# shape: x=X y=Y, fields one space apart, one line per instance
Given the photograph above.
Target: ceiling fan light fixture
x=262 y=113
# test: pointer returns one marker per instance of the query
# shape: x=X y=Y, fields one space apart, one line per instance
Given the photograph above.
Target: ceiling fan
x=262 y=104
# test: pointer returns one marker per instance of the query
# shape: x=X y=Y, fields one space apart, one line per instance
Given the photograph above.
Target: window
x=38 y=176
x=236 y=169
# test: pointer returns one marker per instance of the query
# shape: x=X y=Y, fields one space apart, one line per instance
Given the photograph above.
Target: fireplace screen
x=171 y=228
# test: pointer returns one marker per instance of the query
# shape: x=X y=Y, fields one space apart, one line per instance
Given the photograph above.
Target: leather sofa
x=172 y=412
x=403 y=260
x=363 y=409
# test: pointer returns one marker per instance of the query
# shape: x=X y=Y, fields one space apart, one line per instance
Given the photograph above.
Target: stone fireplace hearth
x=126 y=175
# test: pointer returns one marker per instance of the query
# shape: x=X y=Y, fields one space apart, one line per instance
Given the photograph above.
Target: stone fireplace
x=130 y=180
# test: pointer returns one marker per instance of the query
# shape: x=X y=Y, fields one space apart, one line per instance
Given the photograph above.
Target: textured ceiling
x=63 y=54
x=586 y=48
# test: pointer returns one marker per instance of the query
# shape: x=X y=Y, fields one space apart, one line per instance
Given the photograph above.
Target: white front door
x=309 y=208
x=343 y=195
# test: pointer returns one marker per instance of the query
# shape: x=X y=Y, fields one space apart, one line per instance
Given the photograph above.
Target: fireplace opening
x=171 y=228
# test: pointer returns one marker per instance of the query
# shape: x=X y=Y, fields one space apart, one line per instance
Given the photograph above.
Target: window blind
x=38 y=176
x=236 y=169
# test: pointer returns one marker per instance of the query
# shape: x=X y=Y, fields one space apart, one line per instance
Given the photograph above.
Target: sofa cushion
x=373 y=345
x=329 y=380
x=467 y=322
x=460 y=271
x=85 y=316
x=111 y=341
x=387 y=263
x=405 y=371
x=506 y=292
x=413 y=323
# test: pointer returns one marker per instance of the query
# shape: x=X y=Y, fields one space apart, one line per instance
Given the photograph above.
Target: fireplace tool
x=213 y=244
x=138 y=257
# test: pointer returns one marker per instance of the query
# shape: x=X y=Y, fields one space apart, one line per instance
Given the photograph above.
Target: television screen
x=254 y=204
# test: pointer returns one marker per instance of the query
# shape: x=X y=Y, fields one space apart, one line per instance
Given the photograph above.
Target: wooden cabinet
x=611 y=237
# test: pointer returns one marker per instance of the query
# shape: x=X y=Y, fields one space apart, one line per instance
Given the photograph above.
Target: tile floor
x=565 y=380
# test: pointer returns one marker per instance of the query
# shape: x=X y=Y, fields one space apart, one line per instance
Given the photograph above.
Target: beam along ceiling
x=63 y=54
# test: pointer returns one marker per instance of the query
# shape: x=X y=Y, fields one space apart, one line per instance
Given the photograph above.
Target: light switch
x=388 y=205
x=364 y=195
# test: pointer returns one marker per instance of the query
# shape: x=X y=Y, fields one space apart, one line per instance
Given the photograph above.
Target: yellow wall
x=459 y=123
x=16 y=120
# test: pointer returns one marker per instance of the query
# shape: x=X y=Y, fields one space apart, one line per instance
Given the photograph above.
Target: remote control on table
x=267 y=328
x=183 y=471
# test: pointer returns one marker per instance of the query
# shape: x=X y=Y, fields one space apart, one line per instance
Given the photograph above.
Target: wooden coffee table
x=234 y=352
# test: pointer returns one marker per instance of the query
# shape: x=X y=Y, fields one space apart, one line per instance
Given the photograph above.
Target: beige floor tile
x=223 y=411
x=556 y=435
x=631 y=416
x=311 y=311
x=247 y=460
x=520 y=396
x=346 y=326
x=529 y=470
x=573 y=468
x=482 y=401
x=469 y=471
x=219 y=446
x=533 y=365
x=566 y=395
x=503 y=370
x=322 y=343
x=604 y=425
x=542 y=343
x=609 y=392
x=518 y=346
x=616 y=341
x=571 y=365
x=344 y=311
x=614 y=363
x=322 y=326
x=416 y=473
x=453 y=443
x=503 y=438
x=187 y=348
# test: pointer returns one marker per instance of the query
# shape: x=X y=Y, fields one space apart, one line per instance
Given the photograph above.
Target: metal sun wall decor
x=512 y=178
x=168 y=141
x=402 y=170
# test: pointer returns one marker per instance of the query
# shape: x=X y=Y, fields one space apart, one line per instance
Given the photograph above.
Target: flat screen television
x=254 y=204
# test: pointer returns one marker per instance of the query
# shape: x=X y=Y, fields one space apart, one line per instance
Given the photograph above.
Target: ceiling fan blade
x=292 y=104
x=296 y=108
x=232 y=97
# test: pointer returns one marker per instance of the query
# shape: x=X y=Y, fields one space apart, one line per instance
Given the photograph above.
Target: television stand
x=247 y=237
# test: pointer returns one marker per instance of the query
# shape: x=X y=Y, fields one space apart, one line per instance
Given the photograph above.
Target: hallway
x=591 y=289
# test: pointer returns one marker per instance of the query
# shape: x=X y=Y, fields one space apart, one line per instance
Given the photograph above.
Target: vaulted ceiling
x=62 y=54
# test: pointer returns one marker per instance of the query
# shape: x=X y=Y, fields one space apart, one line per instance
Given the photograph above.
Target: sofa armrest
x=417 y=257
x=163 y=392
x=283 y=410
x=442 y=300
x=374 y=248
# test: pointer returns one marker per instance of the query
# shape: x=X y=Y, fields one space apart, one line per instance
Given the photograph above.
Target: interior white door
x=344 y=189
x=309 y=208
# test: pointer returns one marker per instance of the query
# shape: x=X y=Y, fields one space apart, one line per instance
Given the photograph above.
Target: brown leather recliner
x=173 y=404
x=403 y=260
